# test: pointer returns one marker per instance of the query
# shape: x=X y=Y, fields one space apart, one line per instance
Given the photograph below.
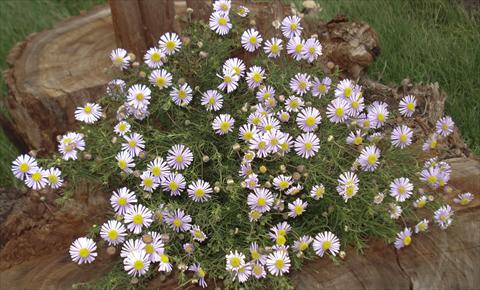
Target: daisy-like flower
x=247 y=132
x=283 y=116
x=179 y=157
x=255 y=118
x=120 y=58
x=347 y=185
x=317 y=191
x=294 y=190
x=294 y=104
x=402 y=136
x=297 y=208
x=300 y=83
x=90 y=113
x=131 y=246
x=395 y=211
x=173 y=183
x=265 y=93
x=321 y=87
x=377 y=114
x=422 y=226
x=430 y=176
x=404 y=238
x=234 y=260
x=420 y=202
x=113 y=232
x=344 y=89
x=251 y=40
x=445 y=126
x=155 y=247
x=308 y=119
x=258 y=271
x=302 y=244
x=37 y=180
x=134 y=145
x=170 y=43
x=274 y=140
x=83 y=250
x=463 y=198
x=136 y=263
x=259 y=143
x=179 y=221
x=251 y=182
x=243 y=273
x=407 y=106
x=401 y=189
x=23 y=166
x=69 y=144
x=54 y=177
x=122 y=200
x=269 y=123
x=165 y=265
x=223 y=124
x=222 y=6
x=122 y=128
x=234 y=64
x=312 y=49
x=242 y=11
x=280 y=229
x=369 y=158
x=307 y=145
x=255 y=76
x=325 y=242
x=212 y=100
x=149 y=182
x=220 y=23
x=278 y=263
x=273 y=47
x=431 y=143
x=229 y=81
x=116 y=88
x=182 y=95
x=295 y=48
x=154 y=57
x=337 y=110
x=137 y=217
x=355 y=138
x=160 y=78
x=199 y=274
x=291 y=26
x=159 y=168
x=139 y=96
x=261 y=199
x=199 y=191
x=356 y=104
x=282 y=182
x=198 y=234
x=255 y=253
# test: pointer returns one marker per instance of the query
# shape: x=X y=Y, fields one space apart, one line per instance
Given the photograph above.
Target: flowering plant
x=239 y=168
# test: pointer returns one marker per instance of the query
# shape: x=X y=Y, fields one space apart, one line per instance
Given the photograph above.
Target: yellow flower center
x=177 y=222
x=87 y=109
x=443 y=218
x=280 y=240
x=326 y=245
x=227 y=79
x=84 y=252
x=410 y=106
x=268 y=127
x=164 y=258
x=253 y=40
x=298 y=209
x=222 y=21
x=148 y=182
x=355 y=104
x=122 y=127
x=349 y=191
x=358 y=140
x=445 y=126
x=224 y=7
x=310 y=121
x=282 y=232
x=464 y=201
x=52 y=178
x=298 y=48
x=224 y=126
x=140 y=96
x=235 y=261
x=256 y=214
x=380 y=117
x=179 y=158
x=283 y=184
x=255 y=255
x=155 y=57
x=293 y=26
x=320 y=192
x=118 y=60
x=421 y=227
x=302 y=85
x=212 y=101
x=432 y=179
x=122 y=201
x=138 y=265
x=199 y=192
x=173 y=186
x=274 y=48
x=303 y=246
x=308 y=146
x=284 y=146
x=24 y=167
x=403 y=138
x=322 y=88
x=137 y=219
x=421 y=203
x=248 y=135
x=433 y=144
x=237 y=70
x=339 y=112
x=372 y=159
x=149 y=249
x=347 y=92
x=170 y=45
x=311 y=50
x=407 y=240
x=132 y=143
x=201 y=273
x=160 y=81
x=294 y=104
x=113 y=235
x=36 y=176
x=156 y=171
x=257 y=77
x=182 y=94
x=261 y=201
x=122 y=164
x=402 y=189
x=279 y=264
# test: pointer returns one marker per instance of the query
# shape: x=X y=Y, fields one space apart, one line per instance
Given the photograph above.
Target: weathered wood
x=158 y=17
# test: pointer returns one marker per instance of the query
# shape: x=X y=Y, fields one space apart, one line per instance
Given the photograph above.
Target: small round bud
x=134 y=281
x=142 y=74
x=187 y=122
x=230 y=181
x=111 y=251
x=301 y=168
x=136 y=64
x=342 y=254
x=181 y=81
x=132 y=56
x=263 y=169
x=448 y=189
x=253 y=22
x=330 y=138
x=203 y=54
x=236 y=147
x=147 y=239
x=142 y=155
x=200 y=44
x=216 y=189
x=114 y=140
x=268 y=184
x=296 y=175
x=283 y=168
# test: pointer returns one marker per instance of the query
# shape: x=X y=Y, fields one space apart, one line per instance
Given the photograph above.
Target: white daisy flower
x=252 y=182
x=173 y=183
x=312 y=49
x=317 y=191
x=83 y=250
x=283 y=116
x=273 y=47
x=431 y=143
x=229 y=81
x=243 y=273
x=294 y=104
x=344 y=89
x=337 y=110
x=356 y=105
x=347 y=185
x=355 y=138
x=160 y=78
x=308 y=119
x=220 y=23
x=282 y=182
x=155 y=247
x=259 y=143
x=255 y=76
x=443 y=216
x=420 y=202
x=307 y=145
x=37 y=180
x=377 y=114
x=212 y=100
x=463 y=198
x=247 y=132
x=258 y=271
x=251 y=40
x=395 y=211
x=23 y=166
x=116 y=88
x=199 y=274
x=430 y=176
x=122 y=128
x=154 y=57
x=294 y=190
x=139 y=96
x=136 y=263
x=324 y=242
x=295 y=48
x=90 y=113
x=113 y=232
x=269 y=123
x=445 y=126
x=199 y=191
x=122 y=200
x=278 y=263
x=291 y=26
x=242 y=11
x=234 y=260
x=297 y=208
x=197 y=234
x=149 y=182
x=170 y=43
x=131 y=246
x=402 y=136
x=401 y=189
x=369 y=158
x=54 y=177
x=255 y=253
x=179 y=221
x=302 y=244
x=404 y=238
x=265 y=93
x=280 y=229
x=422 y=226
x=407 y=106
x=223 y=124
x=135 y=144
x=159 y=168
x=321 y=87
x=261 y=199
x=120 y=58
x=179 y=157
x=300 y=83
x=234 y=64
x=255 y=118
x=69 y=144
x=222 y=6
x=137 y=217
x=182 y=95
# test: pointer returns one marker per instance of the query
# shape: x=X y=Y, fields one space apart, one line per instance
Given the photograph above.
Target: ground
x=426 y=41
